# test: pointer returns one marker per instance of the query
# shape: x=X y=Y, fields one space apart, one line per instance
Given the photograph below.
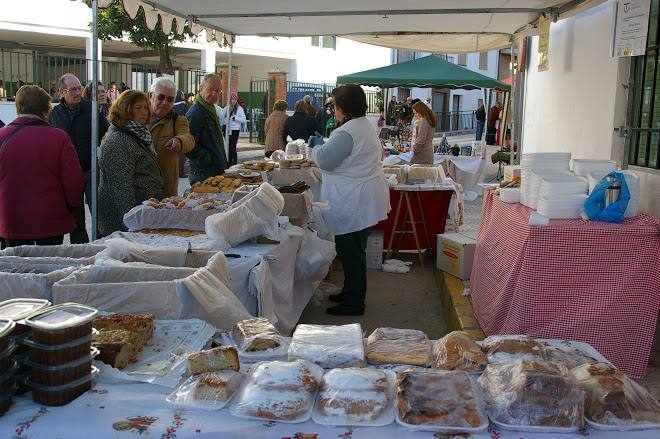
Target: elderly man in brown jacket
x=169 y=132
x=273 y=128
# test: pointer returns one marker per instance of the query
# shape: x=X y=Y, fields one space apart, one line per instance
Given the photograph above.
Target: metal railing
x=298 y=90
x=20 y=68
x=455 y=121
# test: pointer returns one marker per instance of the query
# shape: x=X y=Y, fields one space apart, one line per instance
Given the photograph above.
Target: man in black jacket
x=74 y=115
x=209 y=157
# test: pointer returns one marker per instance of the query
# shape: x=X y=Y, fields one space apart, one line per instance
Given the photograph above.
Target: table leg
x=414 y=229
x=421 y=212
x=394 y=226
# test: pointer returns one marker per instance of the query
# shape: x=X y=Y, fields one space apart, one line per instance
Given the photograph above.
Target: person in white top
x=235 y=114
x=354 y=187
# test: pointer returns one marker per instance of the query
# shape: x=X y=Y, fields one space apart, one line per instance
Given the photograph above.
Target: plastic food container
x=5 y=401
x=64 y=394
x=62 y=323
x=7 y=380
x=6 y=357
x=52 y=355
x=63 y=373
x=18 y=309
x=6 y=327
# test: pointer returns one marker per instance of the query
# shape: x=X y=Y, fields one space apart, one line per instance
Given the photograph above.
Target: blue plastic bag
x=594 y=208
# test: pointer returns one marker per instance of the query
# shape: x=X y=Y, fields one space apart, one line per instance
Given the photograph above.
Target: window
x=645 y=106
x=325 y=42
x=462 y=59
x=483 y=60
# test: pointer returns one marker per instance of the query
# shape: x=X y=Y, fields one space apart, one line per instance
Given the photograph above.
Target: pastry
x=437 y=398
x=569 y=357
x=458 y=351
x=504 y=348
x=116 y=347
x=256 y=335
x=532 y=393
x=220 y=358
x=140 y=324
x=329 y=346
x=281 y=375
x=275 y=404
x=398 y=346
x=614 y=399
x=355 y=395
x=215 y=386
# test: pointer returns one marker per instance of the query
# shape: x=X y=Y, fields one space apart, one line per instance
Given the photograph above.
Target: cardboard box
x=455 y=253
x=376 y=242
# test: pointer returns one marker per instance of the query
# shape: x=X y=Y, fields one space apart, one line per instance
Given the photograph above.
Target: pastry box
x=64 y=394
x=57 y=354
x=63 y=373
x=19 y=309
x=62 y=323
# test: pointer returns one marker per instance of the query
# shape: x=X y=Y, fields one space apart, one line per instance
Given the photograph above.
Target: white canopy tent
x=436 y=26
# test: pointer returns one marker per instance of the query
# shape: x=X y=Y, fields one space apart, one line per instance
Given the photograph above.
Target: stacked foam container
x=542 y=163
x=561 y=197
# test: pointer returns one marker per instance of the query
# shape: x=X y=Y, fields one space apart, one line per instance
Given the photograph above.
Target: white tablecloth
x=467 y=164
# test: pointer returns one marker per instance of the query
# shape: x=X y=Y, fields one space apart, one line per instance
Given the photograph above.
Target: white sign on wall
x=631 y=27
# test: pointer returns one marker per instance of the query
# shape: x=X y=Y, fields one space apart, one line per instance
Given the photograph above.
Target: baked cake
x=122 y=337
x=329 y=346
x=569 y=357
x=437 y=398
x=505 y=348
x=256 y=335
x=355 y=395
x=220 y=358
x=216 y=386
x=458 y=351
x=532 y=393
x=398 y=346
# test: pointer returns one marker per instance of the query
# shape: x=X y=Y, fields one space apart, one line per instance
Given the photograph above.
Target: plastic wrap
x=314 y=257
x=424 y=173
x=569 y=357
x=398 y=346
x=505 y=348
x=278 y=391
x=256 y=335
x=207 y=391
x=253 y=215
x=458 y=351
x=399 y=171
x=359 y=397
x=532 y=396
x=328 y=346
x=121 y=251
x=439 y=401
x=614 y=401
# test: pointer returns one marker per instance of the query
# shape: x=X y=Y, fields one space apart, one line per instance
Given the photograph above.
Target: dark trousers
x=479 y=130
x=53 y=240
x=233 y=141
x=79 y=235
x=351 y=249
x=491 y=134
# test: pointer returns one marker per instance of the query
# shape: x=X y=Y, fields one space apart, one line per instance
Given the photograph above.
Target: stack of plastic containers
x=562 y=197
x=7 y=365
x=549 y=163
x=585 y=167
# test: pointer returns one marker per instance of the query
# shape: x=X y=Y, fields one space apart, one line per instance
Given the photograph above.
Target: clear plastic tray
x=9 y=373
x=183 y=396
x=476 y=390
x=56 y=347
x=534 y=428
x=385 y=418
x=62 y=316
x=11 y=347
x=278 y=353
x=6 y=326
x=92 y=354
x=94 y=372
x=17 y=309
x=329 y=346
x=633 y=426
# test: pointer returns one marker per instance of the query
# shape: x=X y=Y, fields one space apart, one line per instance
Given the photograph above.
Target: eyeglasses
x=162 y=97
x=73 y=89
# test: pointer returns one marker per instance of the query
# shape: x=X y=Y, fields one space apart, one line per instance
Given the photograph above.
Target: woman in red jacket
x=40 y=176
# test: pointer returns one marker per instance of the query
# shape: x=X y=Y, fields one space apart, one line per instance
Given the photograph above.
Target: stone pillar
x=278 y=81
x=88 y=54
x=222 y=70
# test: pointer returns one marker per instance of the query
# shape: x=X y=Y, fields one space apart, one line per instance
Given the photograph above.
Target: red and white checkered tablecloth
x=572 y=279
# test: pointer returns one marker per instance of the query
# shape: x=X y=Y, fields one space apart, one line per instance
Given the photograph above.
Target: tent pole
x=95 y=113
x=227 y=124
x=512 y=104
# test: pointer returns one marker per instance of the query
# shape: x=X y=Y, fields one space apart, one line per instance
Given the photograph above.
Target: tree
x=113 y=23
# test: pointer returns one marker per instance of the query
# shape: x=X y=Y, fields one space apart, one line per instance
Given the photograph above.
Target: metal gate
x=260 y=103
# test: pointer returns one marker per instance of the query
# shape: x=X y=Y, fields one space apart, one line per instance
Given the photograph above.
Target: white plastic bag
x=314 y=257
x=253 y=215
x=329 y=346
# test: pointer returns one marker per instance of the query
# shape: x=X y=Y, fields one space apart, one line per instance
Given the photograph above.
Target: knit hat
x=233 y=95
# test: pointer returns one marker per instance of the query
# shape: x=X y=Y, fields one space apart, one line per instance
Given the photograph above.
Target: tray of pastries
x=356 y=396
x=259 y=165
x=223 y=184
x=398 y=346
x=278 y=391
x=192 y=201
x=531 y=395
x=614 y=401
x=207 y=391
x=439 y=401
x=121 y=337
x=459 y=351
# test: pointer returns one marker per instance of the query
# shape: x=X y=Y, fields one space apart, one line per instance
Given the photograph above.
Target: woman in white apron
x=354 y=186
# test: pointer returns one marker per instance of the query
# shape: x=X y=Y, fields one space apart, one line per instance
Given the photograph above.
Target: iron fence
x=20 y=68
x=298 y=90
x=455 y=121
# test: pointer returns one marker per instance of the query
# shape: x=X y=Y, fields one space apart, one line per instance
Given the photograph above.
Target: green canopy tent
x=430 y=71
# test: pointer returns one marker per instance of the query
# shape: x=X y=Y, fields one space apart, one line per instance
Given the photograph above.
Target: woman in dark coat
x=300 y=125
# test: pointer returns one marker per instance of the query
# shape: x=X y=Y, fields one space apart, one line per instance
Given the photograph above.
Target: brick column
x=222 y=70
x=279 y=87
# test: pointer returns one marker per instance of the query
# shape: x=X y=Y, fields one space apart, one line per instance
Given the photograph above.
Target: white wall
x=469 y=98
x=571 y=106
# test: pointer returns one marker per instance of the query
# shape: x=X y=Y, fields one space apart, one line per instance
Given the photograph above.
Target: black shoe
x=339 y=297
x=345 y=310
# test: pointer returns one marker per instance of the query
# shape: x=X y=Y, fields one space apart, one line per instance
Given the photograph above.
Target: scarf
x=141 y=132
x=210 y=109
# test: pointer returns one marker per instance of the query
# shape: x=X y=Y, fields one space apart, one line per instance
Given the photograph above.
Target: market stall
x=590 y=281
